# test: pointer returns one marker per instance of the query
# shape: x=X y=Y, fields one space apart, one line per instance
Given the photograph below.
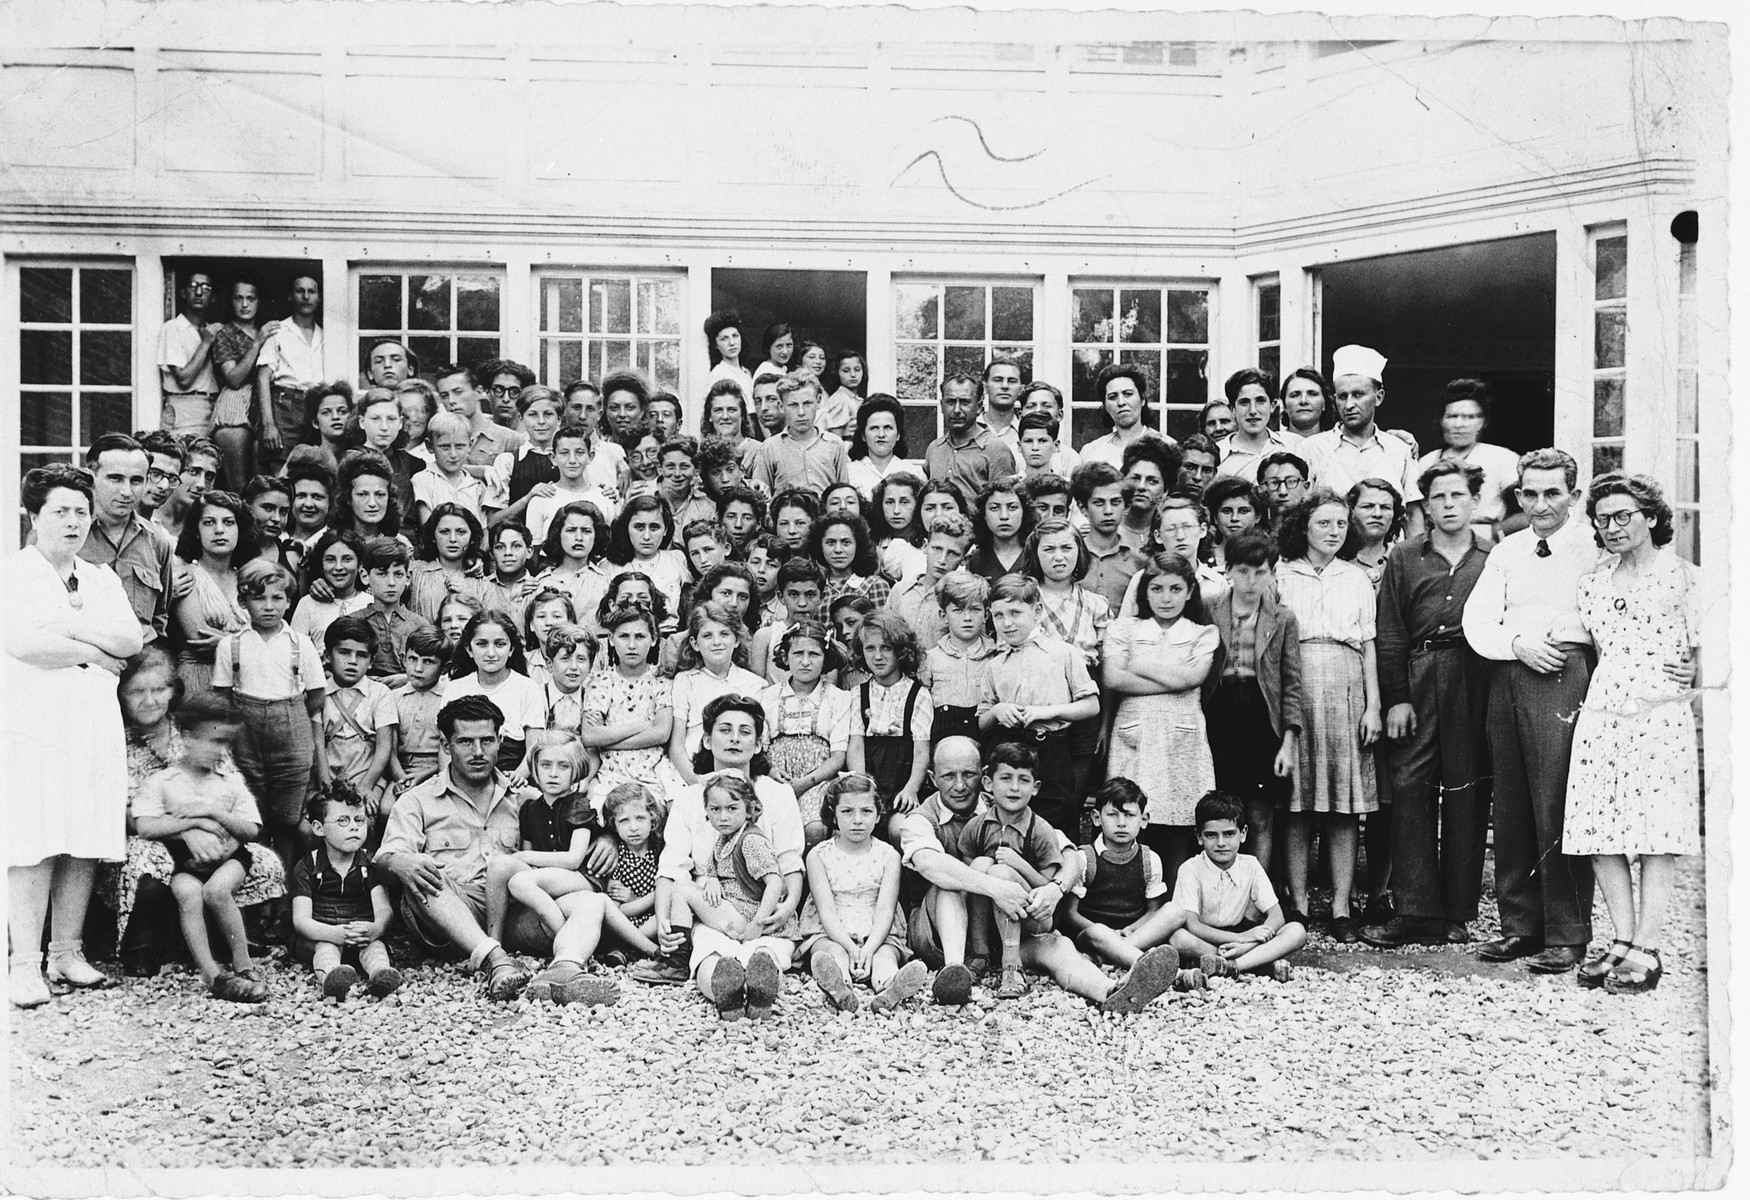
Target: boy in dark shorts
x=1232 y=918
x=339 y=905
x=1120 y=907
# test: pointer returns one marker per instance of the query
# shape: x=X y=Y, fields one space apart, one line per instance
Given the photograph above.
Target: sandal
x=1593 y=971
x=233 y=987
x=1631 y=977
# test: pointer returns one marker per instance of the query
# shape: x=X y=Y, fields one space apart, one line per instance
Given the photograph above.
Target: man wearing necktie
x=1523 y=615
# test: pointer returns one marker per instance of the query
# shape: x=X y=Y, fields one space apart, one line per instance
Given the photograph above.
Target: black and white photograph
x=651 y=598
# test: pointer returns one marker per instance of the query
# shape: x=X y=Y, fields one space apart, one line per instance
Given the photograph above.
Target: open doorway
x=1484 y=310
x=272 y=278
x=828 y=307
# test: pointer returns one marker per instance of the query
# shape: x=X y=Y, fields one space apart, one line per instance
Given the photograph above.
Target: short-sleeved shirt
x=1242 y=463
x=438 y=819
x=432 y=489
x=687 y=836
x=932 y=825
x=1240 y=895
x=294 y=360
x=416 y=713
x=915 y=601
x=1031 y=837
x=518 y=697
x=970 y=467
x=178 y=339
x=825 y=713
x=174 y=791
x=956 y=676
x=1336 y=604
x=547 y=828
x=786 y=462
x=1041 y=672
x=1110 y=572
x=264 y=665
x=1339 y=462
x=336 y=898
x=887 y=711
x=351 y=718
x=312 y=617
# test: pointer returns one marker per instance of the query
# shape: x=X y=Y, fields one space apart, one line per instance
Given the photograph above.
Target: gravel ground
x=1364 y=1055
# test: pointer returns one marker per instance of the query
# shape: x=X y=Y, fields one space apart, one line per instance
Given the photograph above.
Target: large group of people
x=533 y=672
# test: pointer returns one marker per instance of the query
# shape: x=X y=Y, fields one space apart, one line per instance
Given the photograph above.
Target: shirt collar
x=500 y=788
x=981 y=649
x=1004 y=649
x=947 y=816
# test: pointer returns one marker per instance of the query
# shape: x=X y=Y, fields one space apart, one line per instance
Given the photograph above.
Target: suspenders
x=236 y=641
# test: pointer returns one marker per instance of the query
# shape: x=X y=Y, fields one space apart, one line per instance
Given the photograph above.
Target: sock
x=481 y=951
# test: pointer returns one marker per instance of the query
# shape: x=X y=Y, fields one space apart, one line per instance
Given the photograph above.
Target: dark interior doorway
x=829 y=307
x=272 y=278
x=1484 y=310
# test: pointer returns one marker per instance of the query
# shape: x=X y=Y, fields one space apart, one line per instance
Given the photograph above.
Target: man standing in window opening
x=185 y=365
x=1002 y=393
x=967 y=454
x=504 y=383
x=1358 y=448
x=290 y=364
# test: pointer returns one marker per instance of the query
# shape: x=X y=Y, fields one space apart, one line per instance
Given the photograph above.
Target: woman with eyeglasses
x=1633 y=780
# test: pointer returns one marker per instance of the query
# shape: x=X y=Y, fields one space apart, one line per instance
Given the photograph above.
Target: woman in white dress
x=69 y=628
x=1633 y=782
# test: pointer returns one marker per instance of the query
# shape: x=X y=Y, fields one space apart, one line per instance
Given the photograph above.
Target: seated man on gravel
x=440 y=837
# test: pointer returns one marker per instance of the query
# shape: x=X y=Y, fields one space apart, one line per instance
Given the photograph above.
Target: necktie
x=1543 y=547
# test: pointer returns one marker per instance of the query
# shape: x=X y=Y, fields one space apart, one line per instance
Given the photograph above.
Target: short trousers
x=185 y=864
x=427 y=932
x=707 y=942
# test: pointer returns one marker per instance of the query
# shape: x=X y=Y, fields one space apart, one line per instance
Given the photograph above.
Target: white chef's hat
x=1358 y=360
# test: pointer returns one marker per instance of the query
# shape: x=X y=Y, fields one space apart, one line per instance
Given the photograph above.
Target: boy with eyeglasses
x=340 y=907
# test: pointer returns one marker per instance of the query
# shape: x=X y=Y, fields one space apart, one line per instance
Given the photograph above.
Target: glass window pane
x=595 y=362
x=477 y=302
x=1606 y=458
x=1186 y=381
x=1150 y=361
x=1687 y=527
x=570 y=359
x=1688 y=471
x=616 y=356
x=1188 y=316
x=1086 y=424
x=472 y=351
x=1182 y=423
x=665 y=364
x=45 y=419
x=428 y=302
x=45 y=356
x=1011 y=314
x=1611 y=268
x=106 y=297
x=1607 y=407
x=45 y=294
x=921 y=427
x=105 y=357
x=433 y=353
x=610 y=306
x=666 y=305
x=1270 y=312
x=380 y=302
x=1085 y=364
x=964 y=313
x=1021 y=354
x=1141 y=316
x=562 y=306
x=104 y=412
x=915 y=310
x=1610 y=327
x=916 y=373
x=1688 y=402
x=966 y=359
x=1270 y=361
x=1090 y=315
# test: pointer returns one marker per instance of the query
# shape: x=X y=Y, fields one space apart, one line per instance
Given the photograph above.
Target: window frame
x=1212 y=292
x=1602 y=445
x=1262 y=344
x=541 y=276
x=942 y=342
x=1686 y=493
x=359 y=268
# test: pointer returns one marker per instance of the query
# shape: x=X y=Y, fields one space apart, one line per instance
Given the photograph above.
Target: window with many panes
x=1686 y=499
x=1267 y=297
x=1165 y=329
x=1609 y=346
x=75 y=359
x=595 y=324
x=941 y=328
x=444 y=315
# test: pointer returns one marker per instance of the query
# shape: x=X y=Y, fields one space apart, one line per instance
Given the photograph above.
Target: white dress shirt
x=1520 y=594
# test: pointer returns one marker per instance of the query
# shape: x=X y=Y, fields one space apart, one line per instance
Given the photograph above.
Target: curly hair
x=1030 y=556
x=730 y=569
x=703 y=761
x=628 y=795
x=658 y=606
x=813 y=630
x=863 y=559
x=1291 y=533
x=897 y=633
x=625 y=614
x=879 y=526
x=1011 y=485
x=544 y=595
x=356 y=465
x=1644 y=491
x=1352 y=543
x=551 y=553
x=708 y=612
x=427 y=550
x=738 y=786
x=188 y=542
x=40 y=481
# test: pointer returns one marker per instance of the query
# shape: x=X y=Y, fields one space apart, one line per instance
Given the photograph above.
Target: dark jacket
x=1278 y=660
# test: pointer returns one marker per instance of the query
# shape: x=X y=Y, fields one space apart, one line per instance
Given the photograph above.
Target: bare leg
x=1299 y=849
x=28 y=890
x=1190 y=945
x=1053 y=954
x=1340 y=835
x=1617 y=884
x=1658 y=873
x=69 y=897
x=1107 y=943
x=498 y=875
x=538 y=890
x=1155 y=929
x=581 y=931
x=636 y=934
x=948 y=913
x=883 y=966
x=451 y=914
x=192 y=911
x=1288 y=939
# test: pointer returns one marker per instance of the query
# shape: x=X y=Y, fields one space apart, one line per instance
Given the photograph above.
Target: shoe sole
x=1153 y=974
x=952 y=986
x=507 y=987
x=1550 y=968
x=384 y=982
x=831 y=978
x=589 y=990
x=729 y=986
x=902 y=987
x=764 y=983
x=338 y=982
x=1214 y=966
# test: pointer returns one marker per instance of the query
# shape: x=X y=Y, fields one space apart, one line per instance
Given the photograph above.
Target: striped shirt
x=1334 y=604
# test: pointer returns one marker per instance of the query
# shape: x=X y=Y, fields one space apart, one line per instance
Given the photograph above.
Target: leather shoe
x=1506 y=949
x=1405 y=931
x=1343 y=929
x=1557 y=960
x=1457 y=933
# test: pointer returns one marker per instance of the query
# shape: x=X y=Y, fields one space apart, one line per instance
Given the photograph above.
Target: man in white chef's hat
x=1358 y=448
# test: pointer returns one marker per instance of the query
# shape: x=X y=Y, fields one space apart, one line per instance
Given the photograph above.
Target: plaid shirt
x=1079 y=619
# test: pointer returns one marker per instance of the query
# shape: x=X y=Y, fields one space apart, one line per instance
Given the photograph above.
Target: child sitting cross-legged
x=1232 y=918
x=555 y=828
x=1009 y=841
x=200 y=808
x=855 y=929
x=1119 y=910
x=340 y=907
